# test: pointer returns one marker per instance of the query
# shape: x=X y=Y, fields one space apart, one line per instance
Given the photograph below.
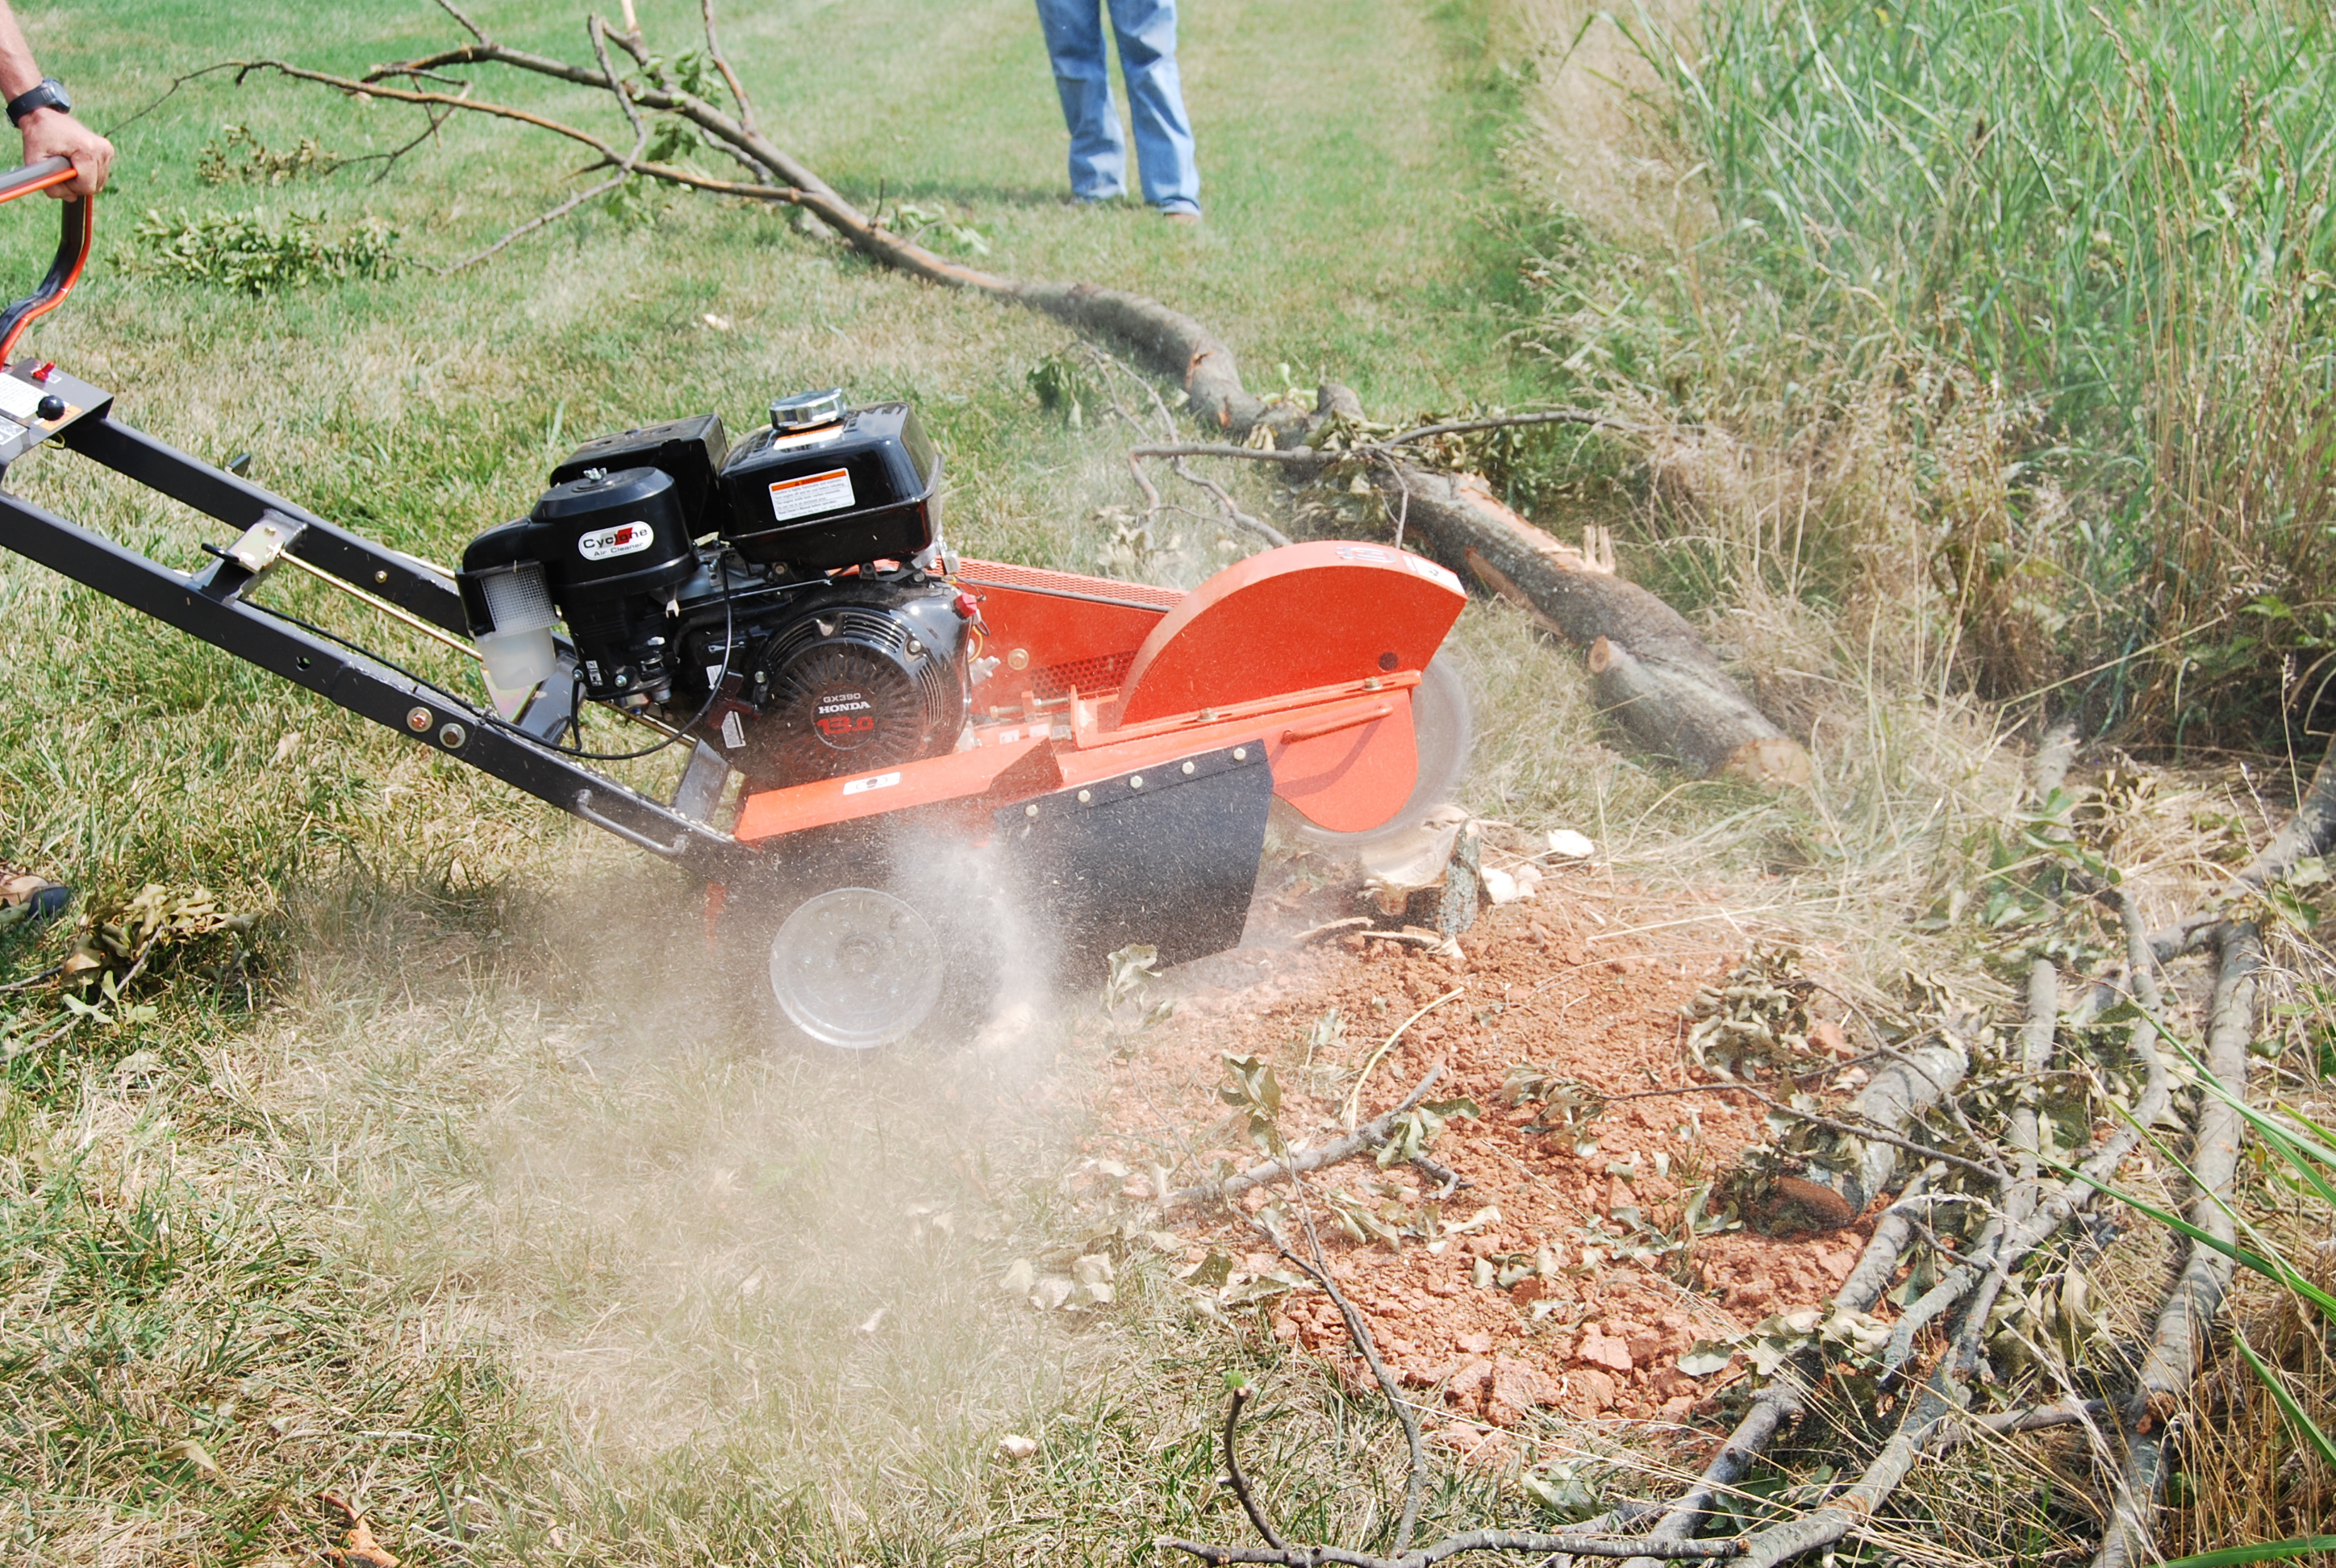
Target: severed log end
x=1776 y=761
x=1690 y=708
x=1654 y=674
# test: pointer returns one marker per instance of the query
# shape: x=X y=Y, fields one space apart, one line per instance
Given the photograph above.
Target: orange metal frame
x=1311 y=651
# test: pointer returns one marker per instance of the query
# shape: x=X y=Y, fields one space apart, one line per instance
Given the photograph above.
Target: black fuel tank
x=864 y=486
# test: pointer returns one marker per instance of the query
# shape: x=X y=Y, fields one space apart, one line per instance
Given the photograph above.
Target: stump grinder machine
x=890 y=755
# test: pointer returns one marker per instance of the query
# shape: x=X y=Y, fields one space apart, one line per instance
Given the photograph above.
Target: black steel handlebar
x=77 y=228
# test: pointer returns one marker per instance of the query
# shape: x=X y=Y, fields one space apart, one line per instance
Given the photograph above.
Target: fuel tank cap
x=807 y=409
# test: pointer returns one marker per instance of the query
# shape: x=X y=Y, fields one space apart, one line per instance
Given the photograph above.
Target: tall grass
x=2086 y=253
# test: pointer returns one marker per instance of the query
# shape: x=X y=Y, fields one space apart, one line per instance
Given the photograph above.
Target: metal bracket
x=700 y=789
x=256 y=550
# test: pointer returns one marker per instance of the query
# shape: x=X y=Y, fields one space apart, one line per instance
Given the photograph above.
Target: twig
x=1403 y=509
x=1507 y=421
x=722 y=64
x=2036 y=1419
x=1291 y=457
x=1414 y=1481
x=151 y=104
x=52 y=972
x=1152 y=503
x=1577 y=1545
x=1330 y=1154
x=1863 y=1128
x=389 y=161
x=468 y=25
x=1239 y=1482
x=1226 y=504
x=1448 y=1180
x=1355 y=1094
x=552 y=215
x=597 y=29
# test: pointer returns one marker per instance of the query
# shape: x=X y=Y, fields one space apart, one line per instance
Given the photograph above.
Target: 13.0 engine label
x=625 y=539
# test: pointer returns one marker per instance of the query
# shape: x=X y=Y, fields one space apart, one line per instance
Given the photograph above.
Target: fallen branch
x=1943 y=1394
x=1415 y=1479
x=2312 y=831
x=2179 y=1342
x=1473 y=1541
x=1370 y=1135
x=1653 y=672
x=1786 y=1398
x=2306 y=833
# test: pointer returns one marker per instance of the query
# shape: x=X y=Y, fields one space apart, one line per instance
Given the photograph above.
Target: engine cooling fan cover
x=851 y=689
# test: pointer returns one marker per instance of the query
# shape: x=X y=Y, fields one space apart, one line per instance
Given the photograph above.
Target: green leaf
x=2292 y=1145
x=2305 y=1426
x=2269 y=1268
x=2268 y=1552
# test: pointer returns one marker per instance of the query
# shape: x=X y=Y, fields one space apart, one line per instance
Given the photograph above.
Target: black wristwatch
x=50 y=94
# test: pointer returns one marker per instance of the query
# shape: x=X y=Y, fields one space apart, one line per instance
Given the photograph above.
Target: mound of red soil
x=1585 y=982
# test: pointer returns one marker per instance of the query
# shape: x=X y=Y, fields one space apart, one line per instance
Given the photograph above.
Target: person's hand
x=51 y=133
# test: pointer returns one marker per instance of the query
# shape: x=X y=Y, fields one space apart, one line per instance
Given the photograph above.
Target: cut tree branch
x=1370 y=1135
x=1576 y=1546
x=1653 y=673
x=2179 y=1340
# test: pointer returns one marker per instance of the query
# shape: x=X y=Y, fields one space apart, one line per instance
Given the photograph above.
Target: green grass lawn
x=450 y=1210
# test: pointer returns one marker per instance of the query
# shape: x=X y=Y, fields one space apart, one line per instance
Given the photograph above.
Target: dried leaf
x=363 y=1551
x=1211 y=1272
x=1705 y=1357
x=187 y=1451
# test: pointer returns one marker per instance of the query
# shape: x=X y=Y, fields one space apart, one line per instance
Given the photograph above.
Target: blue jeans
x=1146 y=30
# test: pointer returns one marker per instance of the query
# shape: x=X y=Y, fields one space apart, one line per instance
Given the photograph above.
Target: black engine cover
x=853 y=685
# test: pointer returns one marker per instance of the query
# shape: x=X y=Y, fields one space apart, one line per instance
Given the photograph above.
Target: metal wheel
x=1443 y=728
x=856 y=967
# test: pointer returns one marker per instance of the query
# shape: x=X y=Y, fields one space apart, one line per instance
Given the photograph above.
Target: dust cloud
x=585 y=1131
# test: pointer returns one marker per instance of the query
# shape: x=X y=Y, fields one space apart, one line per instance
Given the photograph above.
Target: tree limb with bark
x=1652 y=671
x=1909 y=1146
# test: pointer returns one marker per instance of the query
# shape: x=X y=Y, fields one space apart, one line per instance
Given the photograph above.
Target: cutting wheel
x=856 y=967
x=1443 y=729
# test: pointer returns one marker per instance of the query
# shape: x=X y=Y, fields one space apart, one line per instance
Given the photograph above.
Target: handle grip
x=77 y=227
x=584 y=808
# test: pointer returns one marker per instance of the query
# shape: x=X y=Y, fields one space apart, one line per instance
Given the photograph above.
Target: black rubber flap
x=1161 y=855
